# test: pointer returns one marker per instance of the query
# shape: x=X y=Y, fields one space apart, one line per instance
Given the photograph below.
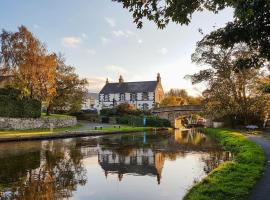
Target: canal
x=136 y=166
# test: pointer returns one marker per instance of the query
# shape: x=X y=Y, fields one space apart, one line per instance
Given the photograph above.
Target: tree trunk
x=48 y=111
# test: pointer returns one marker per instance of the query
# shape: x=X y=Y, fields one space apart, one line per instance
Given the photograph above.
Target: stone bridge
x=174 y=113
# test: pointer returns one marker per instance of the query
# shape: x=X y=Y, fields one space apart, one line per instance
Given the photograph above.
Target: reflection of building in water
x=139 y=161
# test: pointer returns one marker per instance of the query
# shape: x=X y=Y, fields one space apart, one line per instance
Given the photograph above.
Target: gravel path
x=262 y=188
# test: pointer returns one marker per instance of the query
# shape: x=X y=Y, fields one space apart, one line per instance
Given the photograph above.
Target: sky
x=99 y=38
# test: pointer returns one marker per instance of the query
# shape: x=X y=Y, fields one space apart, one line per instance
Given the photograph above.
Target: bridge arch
x=176 y=114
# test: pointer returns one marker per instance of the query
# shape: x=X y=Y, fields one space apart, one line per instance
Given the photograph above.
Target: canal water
x=139 y=166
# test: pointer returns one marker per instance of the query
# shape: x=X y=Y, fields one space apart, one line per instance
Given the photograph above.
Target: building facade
x=142 y=95
x=91 y=102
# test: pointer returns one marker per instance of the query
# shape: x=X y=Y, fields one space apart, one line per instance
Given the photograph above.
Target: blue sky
x=99 y=38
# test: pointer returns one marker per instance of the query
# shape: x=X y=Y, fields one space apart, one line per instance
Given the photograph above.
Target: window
x=144 y=96
x=122 y=97
x=106 y=97
x=133 y=97
x=145 y=106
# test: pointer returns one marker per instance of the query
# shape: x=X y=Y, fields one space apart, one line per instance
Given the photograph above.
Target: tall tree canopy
x=70 y=89
x=41 y=75
x=232 y=91
x=25 y=58
x=251 y=23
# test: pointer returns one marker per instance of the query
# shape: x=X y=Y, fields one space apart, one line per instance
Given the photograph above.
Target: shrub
x=13 y=104
x=90 y=116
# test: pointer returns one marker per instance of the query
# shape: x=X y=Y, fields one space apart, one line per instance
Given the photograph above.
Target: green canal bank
x=70 y=132
x=233 y=179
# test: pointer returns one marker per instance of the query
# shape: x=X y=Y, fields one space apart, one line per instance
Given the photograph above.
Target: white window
x=144 y=96
x=133 y=97
x=122 y=97
x=106 y=97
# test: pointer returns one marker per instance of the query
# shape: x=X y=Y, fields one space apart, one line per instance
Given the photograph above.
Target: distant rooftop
x=131 y=87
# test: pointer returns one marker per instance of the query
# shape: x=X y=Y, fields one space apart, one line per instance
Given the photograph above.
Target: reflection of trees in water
x=57 y=175
x=214 y=159
x=54 y=169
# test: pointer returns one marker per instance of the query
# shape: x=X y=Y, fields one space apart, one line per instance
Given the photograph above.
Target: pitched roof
x=129 y=87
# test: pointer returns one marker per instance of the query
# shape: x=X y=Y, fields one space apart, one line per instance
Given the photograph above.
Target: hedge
x=151 y=121
x=12 y=104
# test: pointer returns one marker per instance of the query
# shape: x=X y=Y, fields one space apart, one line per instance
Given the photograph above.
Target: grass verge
x=29 y=132
x=232 y=180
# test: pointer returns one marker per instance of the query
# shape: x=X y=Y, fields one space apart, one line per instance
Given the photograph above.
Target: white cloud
x=71 y=41
x=110 y=21
x=116 y=69
x=140 y=41
x=36 y=26
x=96 y=83
x=104 y=40
x=119 y=33
x=84 y=35
x=90 y=51
x=163 y=51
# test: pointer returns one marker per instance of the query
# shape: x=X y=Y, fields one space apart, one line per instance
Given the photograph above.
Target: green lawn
x=232 y=180
x=78 y=127
x=55 y=115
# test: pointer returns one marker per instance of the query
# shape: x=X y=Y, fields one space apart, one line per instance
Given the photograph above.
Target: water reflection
x=66 y=169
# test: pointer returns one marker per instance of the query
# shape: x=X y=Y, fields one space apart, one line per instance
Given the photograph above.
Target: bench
x=98 y=127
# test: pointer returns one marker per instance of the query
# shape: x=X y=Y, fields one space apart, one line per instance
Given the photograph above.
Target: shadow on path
x=262 y=189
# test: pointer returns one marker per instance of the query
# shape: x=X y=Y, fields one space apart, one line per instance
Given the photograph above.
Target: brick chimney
x=121 y=80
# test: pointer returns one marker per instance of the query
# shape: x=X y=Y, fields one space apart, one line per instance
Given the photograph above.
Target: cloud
x=163 y=51
x=104 y=40
x=120 y=33
x=116 y=69
x=140 y=41
x=36 y=26
x=96 y=83
x=110 y=21
x=71 y=41
x=91 y=51
x=84 y=35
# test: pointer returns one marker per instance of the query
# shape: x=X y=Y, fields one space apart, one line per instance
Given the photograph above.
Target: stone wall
x=31 y=123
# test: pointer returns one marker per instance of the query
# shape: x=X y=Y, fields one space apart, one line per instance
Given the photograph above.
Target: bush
x=123 y=109
x=89 y=116
x=13 y=104
x=151 y=121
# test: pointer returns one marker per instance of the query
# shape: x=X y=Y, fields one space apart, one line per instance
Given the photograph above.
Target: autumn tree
x=178 y=97
x=26 y=59
x=232 y=89
x=70 y=88
x=250 y=24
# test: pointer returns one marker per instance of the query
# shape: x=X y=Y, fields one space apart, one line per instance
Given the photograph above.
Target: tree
x=232 y=89
x=250 y=25
x=178 y=97
x=70 y=89
x=26 y=59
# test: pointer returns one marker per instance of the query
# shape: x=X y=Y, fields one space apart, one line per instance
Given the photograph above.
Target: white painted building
x=91 y=102
x=143 y=95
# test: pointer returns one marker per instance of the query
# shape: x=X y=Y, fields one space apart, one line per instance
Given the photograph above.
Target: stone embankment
x=38 y=123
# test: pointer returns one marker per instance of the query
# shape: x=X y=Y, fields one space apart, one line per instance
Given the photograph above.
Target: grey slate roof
x=92 y=95
x=129 y=87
